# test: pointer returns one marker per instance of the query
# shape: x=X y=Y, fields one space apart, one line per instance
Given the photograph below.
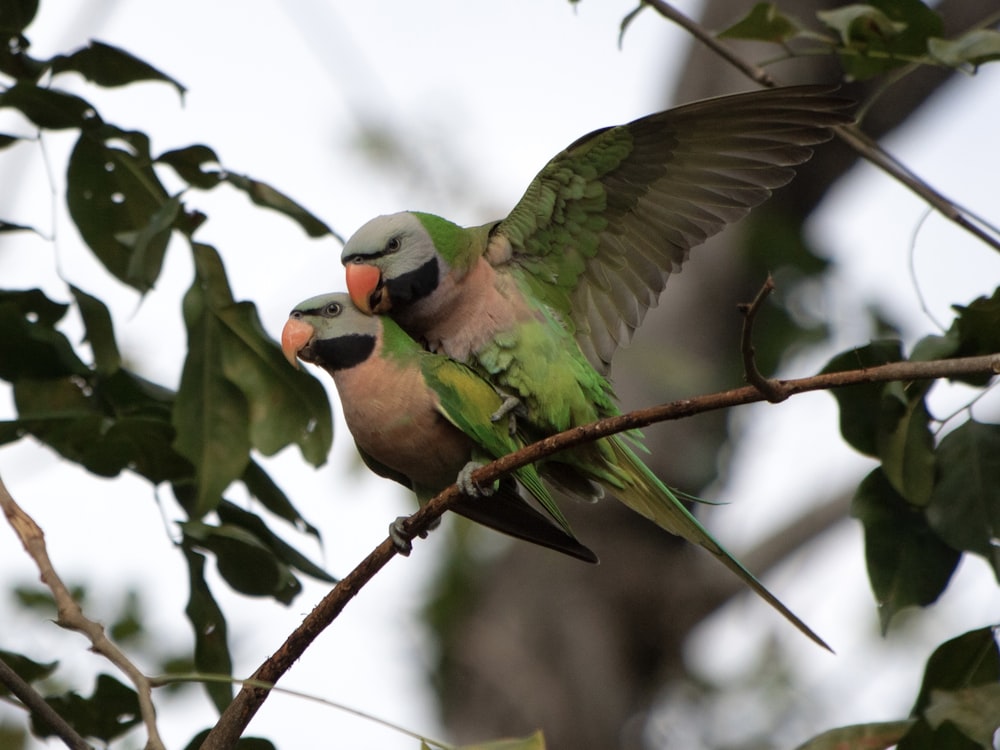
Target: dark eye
x=297 y=314
x=393 y=244
x=332 y=310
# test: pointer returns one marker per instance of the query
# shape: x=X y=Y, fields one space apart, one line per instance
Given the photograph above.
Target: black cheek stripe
x=414 y=285
x=343 y=352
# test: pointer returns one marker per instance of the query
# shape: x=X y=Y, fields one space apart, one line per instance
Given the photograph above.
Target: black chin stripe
x=414 y=285
x=342 y=352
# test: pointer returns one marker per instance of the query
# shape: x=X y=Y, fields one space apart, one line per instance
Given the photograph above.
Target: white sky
x=489 y=91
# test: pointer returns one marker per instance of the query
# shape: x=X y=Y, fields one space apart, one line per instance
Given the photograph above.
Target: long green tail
x=647 y=495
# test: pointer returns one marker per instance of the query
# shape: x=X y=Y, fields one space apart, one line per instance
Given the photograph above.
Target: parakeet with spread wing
x=537 y=303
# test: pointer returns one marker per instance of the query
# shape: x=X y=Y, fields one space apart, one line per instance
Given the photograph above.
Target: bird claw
x=402 y=539
x=511 y=408
x=468 y=485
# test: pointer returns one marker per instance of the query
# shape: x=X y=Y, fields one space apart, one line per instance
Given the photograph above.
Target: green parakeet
x=538 y=302
x=421 y=418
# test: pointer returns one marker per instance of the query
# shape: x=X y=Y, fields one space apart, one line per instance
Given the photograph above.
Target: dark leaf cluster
x=237 y=395
x=871 y=38
x=930 y=500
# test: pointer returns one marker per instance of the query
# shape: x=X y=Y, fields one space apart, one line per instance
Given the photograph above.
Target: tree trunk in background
x=537 y=640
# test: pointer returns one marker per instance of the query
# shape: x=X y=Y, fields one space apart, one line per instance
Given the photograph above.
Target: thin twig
x=770 y=389
x=202 y=677
x=246 y=703
x=703 y=35
x=42 y=710
x=861 y=143
x=70 y=616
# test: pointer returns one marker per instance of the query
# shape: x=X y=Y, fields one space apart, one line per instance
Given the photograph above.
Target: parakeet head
x=395 y=260
x=329 y=331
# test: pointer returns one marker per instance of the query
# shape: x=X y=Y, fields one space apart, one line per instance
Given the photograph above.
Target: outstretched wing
x=604 y=224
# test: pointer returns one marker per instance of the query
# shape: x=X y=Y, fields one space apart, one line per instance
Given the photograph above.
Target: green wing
x=604 y=224
x=468 y=402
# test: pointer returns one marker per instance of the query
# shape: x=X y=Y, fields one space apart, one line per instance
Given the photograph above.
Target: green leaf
x=934 y=347
x=261 y=486
x=969 y=660
x=882 y=35
x=15 y=15
x=110 y=66
x=286 y=405
x=972 y=48
x=975 y=711
x=104 y=424
x=211 y=646
x=149 y=243
x=49 y=108
x=237 y=391
x=27 y=669
x=533 y=742
x=243 y=560
x=905 y=442
x=946 y=737
x=189 y=164
x=211 y=414
x=907 y=562
x=264 y=195
x=232 y=514
x=110 y=711
x=115 y=199
x=30 y=345
x=964 y=509
x=128 y=625
x=977 y=328
x=877 y=736
x=860 y=405
x=858 y=22
x=100 y=331
x=764 y=23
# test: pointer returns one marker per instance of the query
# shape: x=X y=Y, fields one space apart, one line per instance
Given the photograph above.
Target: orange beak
x=294 y=337
x=362 y=281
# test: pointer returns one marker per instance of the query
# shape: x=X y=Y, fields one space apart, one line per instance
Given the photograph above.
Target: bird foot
x=512 y=408
x=402 y=539
x=468 y=485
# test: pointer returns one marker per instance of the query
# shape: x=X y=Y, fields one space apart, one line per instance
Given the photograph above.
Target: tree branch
x=246 y=703
x=37 y=705
x=70 y=616
x=768 y=388
x=849 y=134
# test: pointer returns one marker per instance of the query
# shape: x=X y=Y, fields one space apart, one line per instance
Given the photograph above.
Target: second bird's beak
x=295 y=336
x=364 y=284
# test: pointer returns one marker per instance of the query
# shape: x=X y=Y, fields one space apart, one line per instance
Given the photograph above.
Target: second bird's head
x=396 y=260
x=329 y=331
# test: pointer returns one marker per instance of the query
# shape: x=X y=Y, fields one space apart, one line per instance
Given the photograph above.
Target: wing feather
x=604 y=224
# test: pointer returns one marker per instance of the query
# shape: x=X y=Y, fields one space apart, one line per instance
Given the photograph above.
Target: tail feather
x=640 y=490
x=509 y=513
